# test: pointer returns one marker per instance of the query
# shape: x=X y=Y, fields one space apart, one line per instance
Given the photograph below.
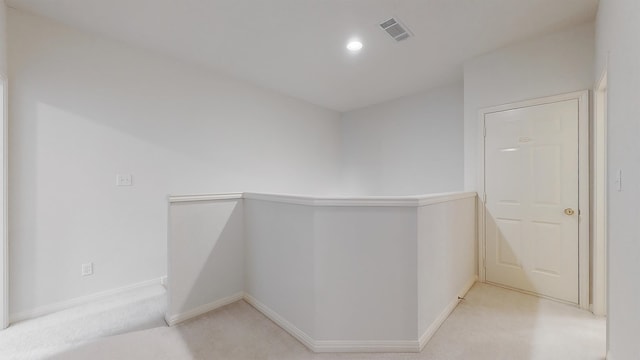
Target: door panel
x=531 y=177
x=510 y=243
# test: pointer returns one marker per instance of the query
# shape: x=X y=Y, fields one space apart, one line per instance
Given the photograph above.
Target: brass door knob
x=569 y=211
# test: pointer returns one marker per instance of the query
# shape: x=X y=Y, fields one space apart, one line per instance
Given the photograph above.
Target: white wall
x=618 y=49
x=366 y=273
x=84 y=109
x=554 y=64
x=279 y=258
x=413 y=145
x=206 y=255
x=3 y=143
x=3 y=38
x=340 y=274
x=446 y=258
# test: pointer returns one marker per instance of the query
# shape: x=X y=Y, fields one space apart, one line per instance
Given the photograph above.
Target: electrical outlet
x=87 y=269
x=124 y=180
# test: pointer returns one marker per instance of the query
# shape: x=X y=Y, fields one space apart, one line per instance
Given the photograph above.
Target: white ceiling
x=297 y=47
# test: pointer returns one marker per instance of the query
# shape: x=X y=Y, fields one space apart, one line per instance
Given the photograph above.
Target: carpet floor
x=491 y=323
x=56 y=333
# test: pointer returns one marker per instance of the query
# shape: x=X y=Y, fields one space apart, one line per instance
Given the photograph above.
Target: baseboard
x=178 y=318
x=282 y=322
x=371 y=346
x=320 y=346
x=82 y=300
x=435 y=325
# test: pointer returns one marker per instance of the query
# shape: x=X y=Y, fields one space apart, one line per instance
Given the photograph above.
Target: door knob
x=569 y=211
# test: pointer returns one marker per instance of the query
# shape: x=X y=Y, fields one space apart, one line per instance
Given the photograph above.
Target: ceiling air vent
x=397 y=31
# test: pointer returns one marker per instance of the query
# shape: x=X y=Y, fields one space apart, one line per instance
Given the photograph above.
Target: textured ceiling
x=297 y=47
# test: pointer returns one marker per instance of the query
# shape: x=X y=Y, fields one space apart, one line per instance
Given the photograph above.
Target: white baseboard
x=388 y=346
x=178 y=318
x=282 y=322
x=435 y=325
x=320 y=346
x=63 y=305
x=371 y=346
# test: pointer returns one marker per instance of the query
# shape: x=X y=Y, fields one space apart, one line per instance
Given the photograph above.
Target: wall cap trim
x=204 y=197
x=374 y=201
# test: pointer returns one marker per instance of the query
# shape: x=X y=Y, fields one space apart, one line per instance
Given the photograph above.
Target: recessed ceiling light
x=354 y=45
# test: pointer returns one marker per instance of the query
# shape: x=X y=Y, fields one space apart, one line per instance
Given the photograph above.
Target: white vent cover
x=397 y=31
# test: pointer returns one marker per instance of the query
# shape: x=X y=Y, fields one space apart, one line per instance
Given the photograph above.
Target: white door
x=531 y=186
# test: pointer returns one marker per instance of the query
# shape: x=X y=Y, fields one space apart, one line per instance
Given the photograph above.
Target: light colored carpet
x=491 y=323
x=52 y=334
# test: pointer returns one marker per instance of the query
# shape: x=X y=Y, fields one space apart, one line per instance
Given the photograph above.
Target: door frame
x=600 y=201
x=4 y=238
x=583 y=184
